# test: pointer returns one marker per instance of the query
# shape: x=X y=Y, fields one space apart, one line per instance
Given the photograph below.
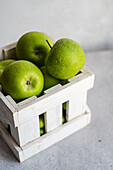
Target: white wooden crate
x=23 y=118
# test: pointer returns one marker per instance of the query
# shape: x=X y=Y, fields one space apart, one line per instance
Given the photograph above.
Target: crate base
x=47 y=140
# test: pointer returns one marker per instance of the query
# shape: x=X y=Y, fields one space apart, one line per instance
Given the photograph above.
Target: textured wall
x=89 y=22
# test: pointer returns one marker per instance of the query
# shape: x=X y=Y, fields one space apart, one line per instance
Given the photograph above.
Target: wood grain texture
x=53 y=116
x=10 y=141
x=76 y=105
x=47 y=140
x=8 y=110
x=46 y=102
x=28 y=131
x=8 y=52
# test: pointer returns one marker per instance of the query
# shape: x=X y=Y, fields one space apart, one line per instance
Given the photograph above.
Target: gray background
x=90 y=23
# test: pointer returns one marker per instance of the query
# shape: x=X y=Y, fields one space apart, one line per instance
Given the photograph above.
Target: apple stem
x=48 y=44
x=28 y=82
x=37 y=52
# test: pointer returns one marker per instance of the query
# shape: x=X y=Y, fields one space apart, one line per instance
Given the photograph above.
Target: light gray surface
x=90 y=148
x=89 y=22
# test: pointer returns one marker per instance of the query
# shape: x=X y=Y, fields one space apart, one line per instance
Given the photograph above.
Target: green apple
x=64 y=118
x=64 y=113
x=3 y=64
x=49 y=81
x=42 y=131
x=33 y=47
x=65 y=59
x=42 y=125
x=63 y=82
x=22 y=79
x=41 y=121
x=64 y=106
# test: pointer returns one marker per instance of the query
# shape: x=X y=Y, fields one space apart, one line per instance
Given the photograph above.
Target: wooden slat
x=53 y=89
x=56 y=135
x=8 y=110
x=29 y=131
x=53 y=116
x=3 y=118
x=8 y=52
x=42 y=104
x=10 y=141
x=76 y=105
x=47 y=140
x=14 y=134
x=12 y=102
x=27 y=102
x=26 y=132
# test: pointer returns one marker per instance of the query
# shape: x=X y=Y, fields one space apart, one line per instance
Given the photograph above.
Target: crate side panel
x=42 y=104
x=6 y=113
x=56 y=135
x=28 y=131
x=11 y=143
x=76 y=105
x=8 y=110
x=14 y=133
x=3 y=117
x=53 y=118
x=9 y=52
x=48 y=139
x=12 y=102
